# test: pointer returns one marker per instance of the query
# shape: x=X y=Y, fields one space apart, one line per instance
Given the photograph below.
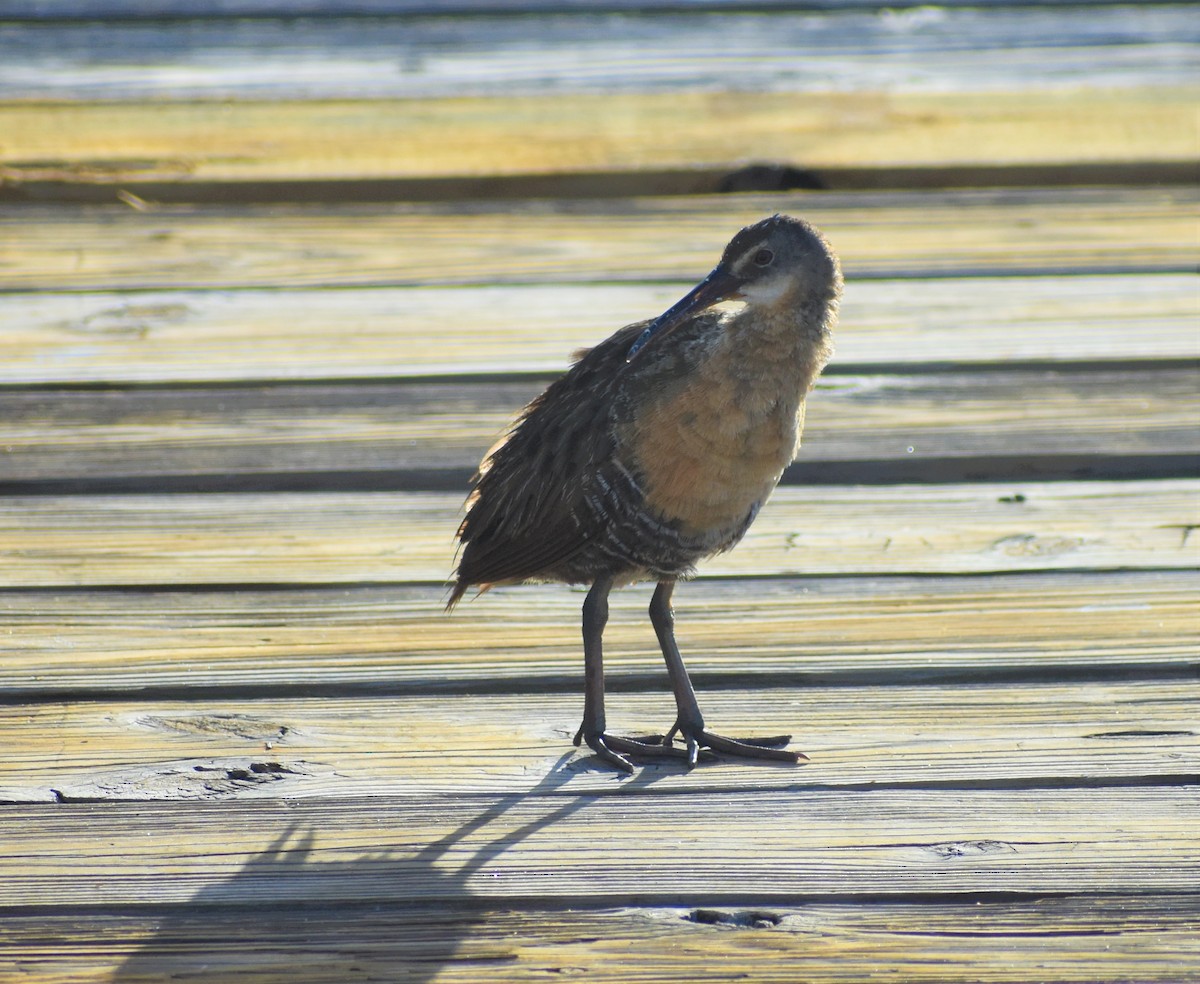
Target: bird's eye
x=763 y=258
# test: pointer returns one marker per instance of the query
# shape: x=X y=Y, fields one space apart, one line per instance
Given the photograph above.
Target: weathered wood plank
x=471 y=744
x=917 y=233
x=354 y=537
x=992 y=48
x=191 y=10
x=1146 y=938
x=841 y=631
x=287 y=334
x=118 y=145
x=384 y=430
x=627 y=844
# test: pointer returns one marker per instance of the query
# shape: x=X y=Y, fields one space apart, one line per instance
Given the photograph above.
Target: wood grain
x=470 y=744
x=625 y=844
x=374 y=641
x=911 y=234
x=1148 y=937
x=287 y=334
x=346 y=537
x=351 y=435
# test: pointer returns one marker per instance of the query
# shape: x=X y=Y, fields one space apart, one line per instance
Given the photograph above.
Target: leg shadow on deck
x=288 y=915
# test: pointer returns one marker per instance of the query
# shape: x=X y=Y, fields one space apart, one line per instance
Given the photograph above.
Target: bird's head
x=774 y=262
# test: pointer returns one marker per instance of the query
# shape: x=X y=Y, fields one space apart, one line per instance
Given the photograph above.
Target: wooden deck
x=270 y=284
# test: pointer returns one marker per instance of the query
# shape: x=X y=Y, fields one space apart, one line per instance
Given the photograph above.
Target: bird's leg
x=608 y=747
x=689 y=723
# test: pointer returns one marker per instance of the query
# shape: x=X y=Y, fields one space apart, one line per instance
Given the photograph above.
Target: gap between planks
x=763 y=177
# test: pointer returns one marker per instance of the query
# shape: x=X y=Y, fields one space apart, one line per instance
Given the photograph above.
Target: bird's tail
x=460 y=589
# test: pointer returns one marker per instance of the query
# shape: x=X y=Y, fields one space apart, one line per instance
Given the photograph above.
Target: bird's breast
x=711 y=450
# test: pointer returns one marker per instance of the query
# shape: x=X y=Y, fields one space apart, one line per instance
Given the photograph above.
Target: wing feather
x=527 y=514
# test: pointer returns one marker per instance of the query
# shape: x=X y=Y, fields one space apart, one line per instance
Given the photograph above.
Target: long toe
x=770 y=749
x=774 y=741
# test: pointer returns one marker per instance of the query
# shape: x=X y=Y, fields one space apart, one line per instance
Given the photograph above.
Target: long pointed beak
x=720 y=285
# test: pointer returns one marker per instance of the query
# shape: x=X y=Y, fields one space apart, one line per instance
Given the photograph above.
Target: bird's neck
x=790 y=341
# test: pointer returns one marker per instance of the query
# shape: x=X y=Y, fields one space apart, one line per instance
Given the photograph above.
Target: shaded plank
x=471 y=744
x=841 y=631
x=676 y=181
x=1145 y=937
x=409 y=332
x=357 y=436
x=118 y=145
x=917 y=233
x=993 y=48
x=629 y=843
x=354 y=537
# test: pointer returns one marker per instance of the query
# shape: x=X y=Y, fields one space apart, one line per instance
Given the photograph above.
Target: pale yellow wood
x=348 y=537
x=330 y=334
x=1146 y=938
x=471 y=744
x=848 y=630
x=630 y=841
x=926 y=234
x=272 y=140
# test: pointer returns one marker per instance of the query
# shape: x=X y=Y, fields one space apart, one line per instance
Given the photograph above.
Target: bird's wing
x=528 y=511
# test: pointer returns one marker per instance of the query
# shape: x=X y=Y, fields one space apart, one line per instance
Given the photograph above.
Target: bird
x=655 y=450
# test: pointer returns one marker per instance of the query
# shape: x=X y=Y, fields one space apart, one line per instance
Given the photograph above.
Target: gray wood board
x=56 y=10
x=924 y=49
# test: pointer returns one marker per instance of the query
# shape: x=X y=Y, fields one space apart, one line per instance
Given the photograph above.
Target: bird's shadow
x=269 y=921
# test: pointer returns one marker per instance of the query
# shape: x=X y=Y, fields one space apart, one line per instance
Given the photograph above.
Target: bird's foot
x=609 y=748
x=697 y=741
